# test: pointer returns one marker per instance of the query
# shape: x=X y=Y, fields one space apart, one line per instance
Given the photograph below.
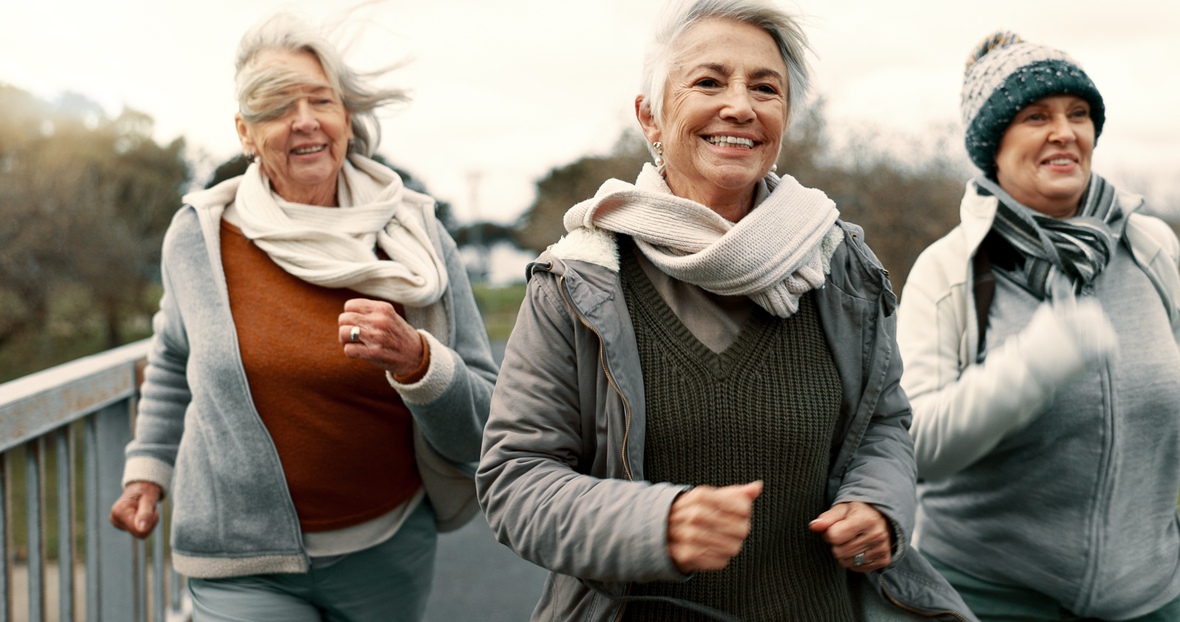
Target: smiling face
x=301 y=151
x=724 y=113
x=1044 y=158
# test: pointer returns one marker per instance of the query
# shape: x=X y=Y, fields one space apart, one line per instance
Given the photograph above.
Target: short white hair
x=680 y=15
x=261 y=90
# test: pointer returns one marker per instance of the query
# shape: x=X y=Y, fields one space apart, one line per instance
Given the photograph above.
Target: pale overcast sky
x=511 y=88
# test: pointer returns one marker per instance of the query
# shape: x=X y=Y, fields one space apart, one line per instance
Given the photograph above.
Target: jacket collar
x=976 y=213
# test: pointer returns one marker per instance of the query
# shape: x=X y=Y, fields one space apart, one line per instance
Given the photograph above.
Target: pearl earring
x=658 y=147
x=250 y=157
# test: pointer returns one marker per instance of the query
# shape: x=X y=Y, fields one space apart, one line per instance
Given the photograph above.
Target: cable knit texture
x=773 y=255
x=336 y=247
x=1006 y=74
x=764 y=409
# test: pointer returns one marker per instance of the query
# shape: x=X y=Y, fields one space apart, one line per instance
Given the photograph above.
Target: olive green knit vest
x=764 y=409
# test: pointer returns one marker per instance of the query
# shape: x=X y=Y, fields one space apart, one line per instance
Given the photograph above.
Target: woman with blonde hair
x=319 y=376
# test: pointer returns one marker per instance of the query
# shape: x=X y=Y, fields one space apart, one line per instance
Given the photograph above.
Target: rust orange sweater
x=343 y=435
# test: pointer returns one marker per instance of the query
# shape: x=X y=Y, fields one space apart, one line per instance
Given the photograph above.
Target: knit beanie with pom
x=1004 y=74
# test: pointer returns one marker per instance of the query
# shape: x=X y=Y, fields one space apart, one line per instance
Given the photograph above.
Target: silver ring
x=355 y=335
x=858 y=559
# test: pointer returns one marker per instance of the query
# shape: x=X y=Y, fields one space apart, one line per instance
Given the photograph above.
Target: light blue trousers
x=1000 y=603
x=390 y=581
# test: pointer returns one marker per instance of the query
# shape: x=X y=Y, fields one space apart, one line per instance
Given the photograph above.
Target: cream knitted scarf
x=335 y=247
x=774 y=255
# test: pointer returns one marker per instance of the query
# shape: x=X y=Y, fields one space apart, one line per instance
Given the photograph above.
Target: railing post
x=93 y=580
x=140 y=581
x=175 y=588
x=5 y=548
x=34 y=452
x=158 y=606
x=65 y=523
x=110 y=595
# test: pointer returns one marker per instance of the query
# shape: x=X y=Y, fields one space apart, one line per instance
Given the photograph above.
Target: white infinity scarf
x=774 y=255
x=334 y=247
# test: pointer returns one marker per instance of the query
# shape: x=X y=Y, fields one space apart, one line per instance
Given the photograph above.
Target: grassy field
x=72 y=330
x=499 y=306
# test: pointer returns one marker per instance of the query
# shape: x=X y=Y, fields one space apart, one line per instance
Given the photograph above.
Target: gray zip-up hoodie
x=1039 y=472
x=561 y=478
x=232 y=513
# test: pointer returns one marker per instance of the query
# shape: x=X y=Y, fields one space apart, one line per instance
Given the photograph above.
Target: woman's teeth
x=307 y=150
x=1059 y=162
x=730 y=141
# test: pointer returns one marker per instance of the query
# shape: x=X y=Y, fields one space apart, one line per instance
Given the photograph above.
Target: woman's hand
x=135 y=510
x=383 y=339
x=707 y=525
x=1085 y=320
x=856 y=528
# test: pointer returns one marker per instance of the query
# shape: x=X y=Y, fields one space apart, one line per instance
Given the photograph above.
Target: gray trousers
x=389 y=581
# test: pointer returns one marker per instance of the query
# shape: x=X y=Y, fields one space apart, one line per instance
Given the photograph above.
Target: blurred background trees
x=84 y=202
x=905 y=194
x=564 y=186
x=85 y=199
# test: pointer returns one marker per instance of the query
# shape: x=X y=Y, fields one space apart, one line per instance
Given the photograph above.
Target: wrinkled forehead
x=715 y=35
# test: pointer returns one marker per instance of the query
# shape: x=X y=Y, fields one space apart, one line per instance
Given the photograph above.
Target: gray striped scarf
x=1078 y=247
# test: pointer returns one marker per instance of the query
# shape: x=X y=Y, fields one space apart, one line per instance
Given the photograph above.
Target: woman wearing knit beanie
x=1040 y=347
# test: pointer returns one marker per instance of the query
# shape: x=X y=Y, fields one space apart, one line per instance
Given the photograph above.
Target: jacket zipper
x=915 y=611
x=609 y=378
x=1106 y=487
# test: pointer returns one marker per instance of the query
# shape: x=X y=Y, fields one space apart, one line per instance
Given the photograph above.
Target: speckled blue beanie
x=1004 y=74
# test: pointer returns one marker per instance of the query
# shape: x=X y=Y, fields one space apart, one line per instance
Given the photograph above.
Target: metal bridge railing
x=46 y=416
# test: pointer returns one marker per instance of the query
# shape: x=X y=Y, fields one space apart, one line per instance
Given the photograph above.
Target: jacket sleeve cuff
x=899 y=547
x=896 y=530
x=417 y=374
x=666 y=568
x=146 y=469
x=435 y=381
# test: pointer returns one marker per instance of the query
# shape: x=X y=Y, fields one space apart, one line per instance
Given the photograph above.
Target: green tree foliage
x=84 y=202
x=564 y=186
x=903 y=204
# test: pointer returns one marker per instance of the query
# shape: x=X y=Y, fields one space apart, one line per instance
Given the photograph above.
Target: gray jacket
x=561 y=478
x=232 y=513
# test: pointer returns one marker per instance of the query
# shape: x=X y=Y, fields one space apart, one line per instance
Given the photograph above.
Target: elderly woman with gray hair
x=699 y=415
x=319 y=377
